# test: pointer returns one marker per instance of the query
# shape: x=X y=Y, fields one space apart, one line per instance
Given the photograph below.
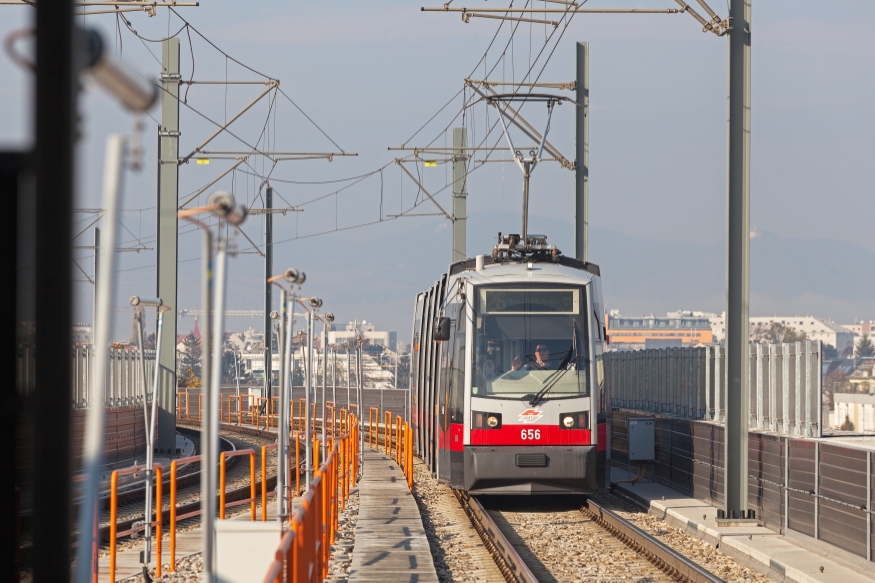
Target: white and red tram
x=506 y=378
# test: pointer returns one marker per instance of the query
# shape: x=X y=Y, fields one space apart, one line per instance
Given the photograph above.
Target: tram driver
x=541 y=361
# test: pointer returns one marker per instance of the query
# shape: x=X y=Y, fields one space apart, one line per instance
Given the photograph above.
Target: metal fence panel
x=785 y=382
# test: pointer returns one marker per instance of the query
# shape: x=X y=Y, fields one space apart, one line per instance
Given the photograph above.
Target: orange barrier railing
x=329 y=428
x=398 y=440
x=305 y=549
x=387 y=433
x=373 y=427
x=222 y=457
x=408 y=449
x=299 y=418
x=173 y=517
x=113 y=514
x=264 y=449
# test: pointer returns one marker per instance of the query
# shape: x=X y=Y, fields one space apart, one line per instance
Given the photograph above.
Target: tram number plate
x=530 y=434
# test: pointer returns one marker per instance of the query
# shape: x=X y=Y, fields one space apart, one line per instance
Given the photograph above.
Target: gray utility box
x=642 y=441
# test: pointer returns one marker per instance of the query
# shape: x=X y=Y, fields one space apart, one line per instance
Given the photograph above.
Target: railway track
x=551 y=543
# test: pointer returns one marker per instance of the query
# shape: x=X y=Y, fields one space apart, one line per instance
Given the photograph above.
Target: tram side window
x=457 y=398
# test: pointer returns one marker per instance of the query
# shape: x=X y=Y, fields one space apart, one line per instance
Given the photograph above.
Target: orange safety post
x=410 y=457
x=372 y=426
x=158 y=516
x=315 y=447
x=387 y=429
x=398 y=439
x=344 y=459
x=264 y=449
x=222 y=457
x=172 y=516
x=222 y=486
x=252 y=484
x=313 y=420
x=113 y=514
x=297 y=464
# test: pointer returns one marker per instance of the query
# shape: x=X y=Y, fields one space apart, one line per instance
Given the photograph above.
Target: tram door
x=444 y=411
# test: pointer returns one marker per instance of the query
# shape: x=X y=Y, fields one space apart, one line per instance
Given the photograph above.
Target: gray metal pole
x=334 y=377
x=268 y=273
x=283 y=425
x=95 y=421
x=96 y=279
x=738 y=262
x=208 y=490
x=460 y=193
x=581 y=168
x=349 y=379
x=168 y=227
x=526 y=174
x=359 y=395
x=147 y=533
x=214 y=400
x=324 y=348
x=308 y=381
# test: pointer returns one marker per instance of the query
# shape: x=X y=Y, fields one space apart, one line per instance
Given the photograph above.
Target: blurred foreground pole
x=53 y=165
x=738 y=263
x=12 y=167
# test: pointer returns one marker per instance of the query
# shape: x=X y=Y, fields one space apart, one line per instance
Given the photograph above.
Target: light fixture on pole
x=286 y=333
x=222 y=205
x=315 y=304
x=149 y=420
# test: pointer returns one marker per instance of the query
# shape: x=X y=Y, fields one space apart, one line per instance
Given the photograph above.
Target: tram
x=507 y=392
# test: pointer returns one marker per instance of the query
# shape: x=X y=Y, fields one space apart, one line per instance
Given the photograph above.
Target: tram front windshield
x=529 y=338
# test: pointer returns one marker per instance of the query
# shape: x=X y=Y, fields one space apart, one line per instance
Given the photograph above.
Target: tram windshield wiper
x=555 y=379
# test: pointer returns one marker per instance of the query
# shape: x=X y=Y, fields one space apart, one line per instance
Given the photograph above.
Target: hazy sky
x=370 y=74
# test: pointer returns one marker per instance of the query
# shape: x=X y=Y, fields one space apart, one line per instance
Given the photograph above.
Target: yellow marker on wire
x=203 y=161
x=430 y=163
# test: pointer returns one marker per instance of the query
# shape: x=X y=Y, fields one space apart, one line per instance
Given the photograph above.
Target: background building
x=674 y=329
x=366 y=330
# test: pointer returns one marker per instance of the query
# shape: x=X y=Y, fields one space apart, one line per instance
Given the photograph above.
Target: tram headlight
x=575 y=420
x=482 y=420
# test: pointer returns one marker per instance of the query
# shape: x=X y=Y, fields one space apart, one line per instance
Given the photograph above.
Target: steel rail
x=669 y=560
x=506 y=558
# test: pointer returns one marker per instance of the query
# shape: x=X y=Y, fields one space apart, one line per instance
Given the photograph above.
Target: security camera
x=227 y=208
x=315 y=303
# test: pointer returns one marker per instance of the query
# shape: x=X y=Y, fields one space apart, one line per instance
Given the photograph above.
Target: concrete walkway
x=390 y=541
x=793 y=557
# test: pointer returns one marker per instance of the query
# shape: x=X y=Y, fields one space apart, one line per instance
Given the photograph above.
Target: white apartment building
x=860 y=328
x=366 y=330
x=814 y=328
